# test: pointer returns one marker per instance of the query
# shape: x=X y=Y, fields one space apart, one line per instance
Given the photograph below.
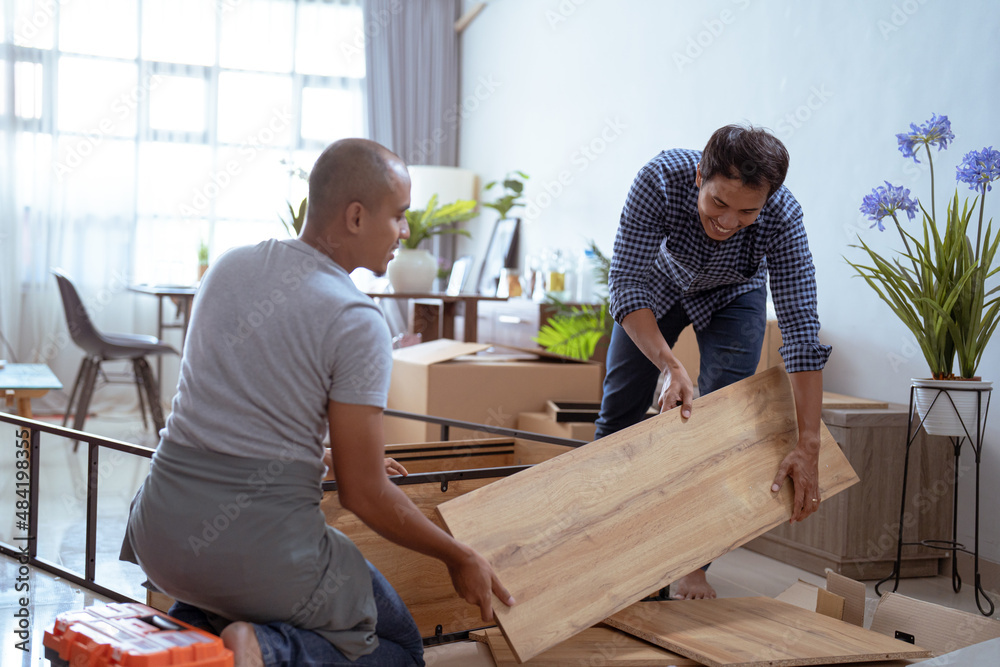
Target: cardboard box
x=527 y=451
x=475 y=383
x=939 y=629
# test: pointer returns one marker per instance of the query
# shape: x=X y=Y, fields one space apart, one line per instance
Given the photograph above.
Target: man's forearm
x=641 y=327
x=807 y=388
x=390 y=513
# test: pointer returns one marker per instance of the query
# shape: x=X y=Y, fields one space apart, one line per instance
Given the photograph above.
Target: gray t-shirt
x=277 y=331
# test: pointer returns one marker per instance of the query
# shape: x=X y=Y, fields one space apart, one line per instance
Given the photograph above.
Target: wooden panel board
x=453 y=455
x=756 y=631
x=832 y=401
x=422 y=582
x=597 y=645
x=587 y=533
x=939 y=629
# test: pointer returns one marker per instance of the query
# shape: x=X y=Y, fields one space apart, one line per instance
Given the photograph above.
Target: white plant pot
x=945 y=405
x=412 y=270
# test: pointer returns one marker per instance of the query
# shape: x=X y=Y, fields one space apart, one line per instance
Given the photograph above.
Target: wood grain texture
x=854 y=534
x=587 y=533
x=453 y=455
x=753 y=632
x=422 y=582
x=842 y=402
x=598 y=645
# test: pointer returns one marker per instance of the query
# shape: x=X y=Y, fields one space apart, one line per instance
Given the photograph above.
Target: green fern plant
x=576 y=331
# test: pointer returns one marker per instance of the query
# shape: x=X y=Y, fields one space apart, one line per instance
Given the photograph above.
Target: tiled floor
x=61 y=539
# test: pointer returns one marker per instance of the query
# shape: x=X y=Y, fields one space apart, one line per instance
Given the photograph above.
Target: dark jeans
x=729 y=348
x=282 y=644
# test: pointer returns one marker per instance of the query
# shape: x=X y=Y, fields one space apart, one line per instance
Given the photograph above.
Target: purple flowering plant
x=939 y=286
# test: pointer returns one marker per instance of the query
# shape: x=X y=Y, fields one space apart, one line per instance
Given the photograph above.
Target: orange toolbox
x=130 y=635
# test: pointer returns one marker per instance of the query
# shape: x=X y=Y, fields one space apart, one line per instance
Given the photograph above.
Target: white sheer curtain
x=135 y=131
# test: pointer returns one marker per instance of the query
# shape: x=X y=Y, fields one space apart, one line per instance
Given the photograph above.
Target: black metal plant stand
x=953 y=545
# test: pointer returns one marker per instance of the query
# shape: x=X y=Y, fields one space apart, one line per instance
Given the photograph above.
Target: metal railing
x=31 y=430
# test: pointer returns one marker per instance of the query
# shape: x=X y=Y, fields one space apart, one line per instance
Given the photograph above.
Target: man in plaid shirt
x=699 y=233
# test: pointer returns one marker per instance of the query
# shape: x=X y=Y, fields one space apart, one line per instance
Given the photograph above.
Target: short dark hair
x=349 y=170
x=751 y=154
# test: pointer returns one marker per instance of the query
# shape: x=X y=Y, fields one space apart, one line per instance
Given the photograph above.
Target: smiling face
x=726 y=205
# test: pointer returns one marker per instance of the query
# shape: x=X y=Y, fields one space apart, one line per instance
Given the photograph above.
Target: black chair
x=98 y=348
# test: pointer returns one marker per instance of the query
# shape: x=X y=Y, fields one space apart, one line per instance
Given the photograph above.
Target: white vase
x=946 y=405
x=412 y=270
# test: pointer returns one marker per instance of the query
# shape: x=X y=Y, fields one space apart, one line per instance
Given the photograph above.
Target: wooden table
x=22 y=382
x=182 y=296
x=449 y=308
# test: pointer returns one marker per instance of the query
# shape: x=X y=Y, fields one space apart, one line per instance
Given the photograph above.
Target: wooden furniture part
x=514 y=322
x=589 y=532
x=22 y=382
x=854 y=534
x=422 y=582
x=426 y=323
x=756 y=631
x=454 y=454
x=605 y=645
x=182 y=296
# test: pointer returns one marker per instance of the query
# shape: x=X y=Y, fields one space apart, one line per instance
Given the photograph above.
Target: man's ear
x=697 y=175
x=354 y=216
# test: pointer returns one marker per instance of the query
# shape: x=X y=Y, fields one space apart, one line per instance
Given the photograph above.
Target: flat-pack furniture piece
x=587 y=533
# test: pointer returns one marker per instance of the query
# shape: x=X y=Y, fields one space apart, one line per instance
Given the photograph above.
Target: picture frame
x=500 y=253
x=460 y=271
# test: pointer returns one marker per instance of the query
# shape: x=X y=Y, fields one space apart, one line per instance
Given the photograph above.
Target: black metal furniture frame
x=953 y=545
x=28 y=553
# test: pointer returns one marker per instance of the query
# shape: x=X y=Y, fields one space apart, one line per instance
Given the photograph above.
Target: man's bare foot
x=240 y=638
x=693 y=586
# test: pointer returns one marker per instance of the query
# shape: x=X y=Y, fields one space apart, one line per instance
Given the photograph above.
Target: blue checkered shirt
x=662 y=255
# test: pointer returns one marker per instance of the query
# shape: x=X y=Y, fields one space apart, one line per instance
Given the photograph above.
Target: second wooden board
x=752 y=632
x=588 y=533
x=599 y=645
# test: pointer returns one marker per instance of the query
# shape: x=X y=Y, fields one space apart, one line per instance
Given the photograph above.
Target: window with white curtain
x=145 y=128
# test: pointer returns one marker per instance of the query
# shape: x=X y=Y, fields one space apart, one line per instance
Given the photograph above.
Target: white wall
x=544 y=79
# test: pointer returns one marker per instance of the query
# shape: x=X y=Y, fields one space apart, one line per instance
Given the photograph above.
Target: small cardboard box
x=528 y=451
x=475 y=383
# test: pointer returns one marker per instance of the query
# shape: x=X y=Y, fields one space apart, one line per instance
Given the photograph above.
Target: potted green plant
x=202 y=258
x=578 y=331
x=938 y=285
x=414 y=269
x=512 y=187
